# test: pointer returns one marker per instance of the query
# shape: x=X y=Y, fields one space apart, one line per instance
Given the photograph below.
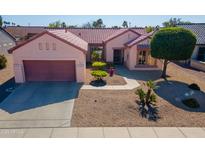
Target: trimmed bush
x=194 y=86
x=3 y=61
x=98 y=65
x=99 y=74
x=191 y=102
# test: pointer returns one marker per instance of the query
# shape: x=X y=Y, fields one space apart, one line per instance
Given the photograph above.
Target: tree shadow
x=38 y=94
x=98 y=83
x=7 y=88
x=149 y=112
x=174 y=92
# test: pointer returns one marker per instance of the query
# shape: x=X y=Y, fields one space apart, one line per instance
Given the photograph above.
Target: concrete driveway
x=39 y=104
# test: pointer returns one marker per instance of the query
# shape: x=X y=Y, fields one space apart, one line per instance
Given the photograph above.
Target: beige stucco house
x=61 y=54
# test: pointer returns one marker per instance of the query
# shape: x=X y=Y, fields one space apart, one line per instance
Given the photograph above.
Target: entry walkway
x=105 y=132
x=131 y=84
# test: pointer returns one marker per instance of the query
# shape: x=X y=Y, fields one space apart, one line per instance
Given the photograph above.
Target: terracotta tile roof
x=90 y=35
x=62 y=35
x=120 y=32
x=198 y=29
x=138 y=39
x=71 y=38
x=98 y=35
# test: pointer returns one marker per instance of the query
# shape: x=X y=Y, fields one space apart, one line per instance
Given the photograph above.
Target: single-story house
x=198 y=57
x=61 y=54
x=7 y=41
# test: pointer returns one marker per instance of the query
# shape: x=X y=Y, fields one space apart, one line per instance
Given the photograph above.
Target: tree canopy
x=149 y=29
x=173 y=22
x=59 y=24
x=174 y=43
x=125 y=24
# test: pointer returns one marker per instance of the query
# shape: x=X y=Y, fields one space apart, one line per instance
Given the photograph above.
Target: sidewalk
x=131 y=84
x=105 y=132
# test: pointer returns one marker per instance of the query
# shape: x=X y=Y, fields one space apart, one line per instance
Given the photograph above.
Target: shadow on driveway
x=138 y=74
x=6 y=88
x=175 y=91
x=37 y=94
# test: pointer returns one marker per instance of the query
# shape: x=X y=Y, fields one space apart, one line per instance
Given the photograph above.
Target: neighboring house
x=22 y=33
x=198 y=57
x=7 y=41
x=61 y=54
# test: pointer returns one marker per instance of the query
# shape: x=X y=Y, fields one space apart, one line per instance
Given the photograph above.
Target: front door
x=118 y=58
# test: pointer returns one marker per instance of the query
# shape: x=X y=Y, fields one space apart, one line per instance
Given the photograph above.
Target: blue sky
x=138 y=20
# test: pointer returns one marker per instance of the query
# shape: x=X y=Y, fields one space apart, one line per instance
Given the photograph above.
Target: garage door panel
x=49 y=70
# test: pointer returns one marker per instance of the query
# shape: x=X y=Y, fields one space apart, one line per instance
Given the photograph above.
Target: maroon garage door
x=43 y=70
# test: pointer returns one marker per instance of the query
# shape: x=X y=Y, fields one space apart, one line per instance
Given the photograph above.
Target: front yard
x=95 y=108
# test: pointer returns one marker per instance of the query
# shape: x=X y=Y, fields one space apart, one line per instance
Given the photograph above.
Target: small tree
x=172 y=44
x=149 y=29
x=3 y=61
x=125 y=24
x=96 y=56
x=147 y=100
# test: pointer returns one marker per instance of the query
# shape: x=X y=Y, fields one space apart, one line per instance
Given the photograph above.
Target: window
x=54 y=46
x=5 y=44
x=142 y=57
x=10 y=43
x=47 y=46
x=201 y=54
x=40 y=47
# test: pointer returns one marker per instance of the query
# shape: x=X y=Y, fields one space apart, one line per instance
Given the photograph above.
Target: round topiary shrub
x=99 y=74
x=194 y=86
x=3 y=61
x=191 y=102
x=99 y=65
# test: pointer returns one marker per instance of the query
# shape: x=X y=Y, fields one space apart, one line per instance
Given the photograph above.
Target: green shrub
x=96 y=55
x=98 y=65
x=3 y=61
x=191 y=102
x=194 y=86
x=99 y=74
x=147 y=100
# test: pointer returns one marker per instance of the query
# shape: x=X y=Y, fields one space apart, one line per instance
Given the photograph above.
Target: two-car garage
x=43 y=70
x=55 y=55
